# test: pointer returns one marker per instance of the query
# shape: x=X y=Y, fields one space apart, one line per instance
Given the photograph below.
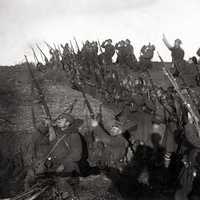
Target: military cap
x=178 y=40
x=128 y=41
x=67 y=116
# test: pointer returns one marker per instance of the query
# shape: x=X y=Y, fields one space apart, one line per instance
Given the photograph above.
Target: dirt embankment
x=16 y=100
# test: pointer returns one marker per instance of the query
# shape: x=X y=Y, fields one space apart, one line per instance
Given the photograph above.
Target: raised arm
x=168 y=45
x=103 y=44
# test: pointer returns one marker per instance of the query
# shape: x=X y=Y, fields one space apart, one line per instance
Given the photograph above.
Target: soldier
x=85 y=54
x=66 y=145
x=146 y=55
x=195 y=192
x=109 y=147
x=55 y=58
x=94 y=53
x=130 y=56
x=177 y=54
x=67 y=55
x=140 y=113
x=193 y=60
x=69 y=152
x=121 y=52
x=190 y=170
x=198 y=54
x=89 y=54
x=109 y=51
x=175 y=119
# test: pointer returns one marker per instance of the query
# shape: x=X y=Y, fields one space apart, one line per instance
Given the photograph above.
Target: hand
x=60 y=168
x=47 y=122
x=94 y=123
x=163 y=36
x=52 y=134
x=144 y=178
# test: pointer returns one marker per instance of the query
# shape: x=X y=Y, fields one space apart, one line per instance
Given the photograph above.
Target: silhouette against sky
x=25 y=22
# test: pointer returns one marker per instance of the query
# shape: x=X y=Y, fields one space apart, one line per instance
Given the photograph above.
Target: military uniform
x=177 y=59
x=55 y=58
x=67 y=56
x=147 y=53
x=69 y=151
x=65 y=157
x=109 y=51
x=107 y=150
x=130 y=57
x=142 y=116
x=121 y=54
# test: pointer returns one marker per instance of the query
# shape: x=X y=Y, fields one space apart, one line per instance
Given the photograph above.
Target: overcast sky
x=25 y=22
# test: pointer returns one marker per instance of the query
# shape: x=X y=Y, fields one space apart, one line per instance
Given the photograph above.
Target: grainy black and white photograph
x=99 y=100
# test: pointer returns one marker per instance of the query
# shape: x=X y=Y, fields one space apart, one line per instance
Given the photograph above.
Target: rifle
x=39 y=65
x=58 y=49
x=31 y=194
x=55 y=47
x=92 y=115
x=77 y=45
x=45 y=58
x=100 y=47
x=155 y=93
x=48 y=45
x=42 y=97
x=34 y=54
x=182 y=97
x=71 y=46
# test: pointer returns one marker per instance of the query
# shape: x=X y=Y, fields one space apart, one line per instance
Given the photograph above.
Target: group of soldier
x=152 y=126
x=94 y=53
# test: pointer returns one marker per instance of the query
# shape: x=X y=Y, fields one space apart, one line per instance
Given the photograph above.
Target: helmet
x=69 y=118
x=128 y=41
x=51 y=51
x=153 y=47
x=109 y=40
x=115 y=130
x=122 y=42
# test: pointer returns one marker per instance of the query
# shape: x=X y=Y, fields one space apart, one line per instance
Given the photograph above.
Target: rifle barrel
x=42 y=52
x=46 y=108
x=182 y=97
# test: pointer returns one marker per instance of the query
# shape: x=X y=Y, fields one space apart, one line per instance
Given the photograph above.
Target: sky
x=23 y=23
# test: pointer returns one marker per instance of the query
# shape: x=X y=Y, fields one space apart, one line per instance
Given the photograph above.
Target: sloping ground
x=16 y=99
x=16 y=102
